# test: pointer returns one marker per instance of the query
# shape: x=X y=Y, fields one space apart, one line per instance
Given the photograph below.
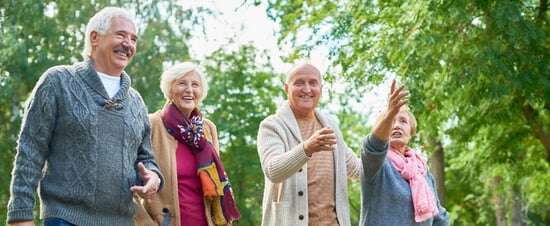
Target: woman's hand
x=397 y=99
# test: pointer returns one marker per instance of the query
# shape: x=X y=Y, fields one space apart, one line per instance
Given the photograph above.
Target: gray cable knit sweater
x=386 y=196
x=82 y=149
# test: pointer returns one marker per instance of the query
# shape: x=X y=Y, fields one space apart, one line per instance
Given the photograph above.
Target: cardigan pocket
x=280 y=214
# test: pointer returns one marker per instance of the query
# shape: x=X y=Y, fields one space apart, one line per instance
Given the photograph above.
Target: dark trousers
x=56 y=222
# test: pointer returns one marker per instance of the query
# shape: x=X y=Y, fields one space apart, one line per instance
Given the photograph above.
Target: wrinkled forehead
x=408 y=116
x=190 y=75
x=403 y=114
x=304 y=69
x=120 y=23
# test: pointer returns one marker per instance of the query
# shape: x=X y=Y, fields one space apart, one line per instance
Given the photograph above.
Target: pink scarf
x=413 y=169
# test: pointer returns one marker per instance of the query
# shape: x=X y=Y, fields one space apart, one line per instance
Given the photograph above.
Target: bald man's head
x=303 y=68
x=303 y=89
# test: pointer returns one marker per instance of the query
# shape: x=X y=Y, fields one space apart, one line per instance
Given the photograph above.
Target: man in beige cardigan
x=304 y=159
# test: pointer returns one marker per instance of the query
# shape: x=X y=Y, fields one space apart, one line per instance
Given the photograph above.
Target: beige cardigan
x=284 y=164
x=164 y=145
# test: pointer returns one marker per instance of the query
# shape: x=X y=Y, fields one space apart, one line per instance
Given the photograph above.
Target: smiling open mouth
x=122 y=53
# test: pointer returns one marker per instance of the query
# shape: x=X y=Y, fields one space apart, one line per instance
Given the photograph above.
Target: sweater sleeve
x=373 y=154
x=442 y=218
x=354 y=168
x=353 y=164
x=145 y=150
x=278 y=164
x=37 y=127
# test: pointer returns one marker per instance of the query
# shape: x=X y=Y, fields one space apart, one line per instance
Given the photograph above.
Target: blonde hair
x=412 y=120
x=176 y=72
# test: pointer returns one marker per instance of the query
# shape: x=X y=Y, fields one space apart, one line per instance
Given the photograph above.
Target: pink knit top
x=189 y=188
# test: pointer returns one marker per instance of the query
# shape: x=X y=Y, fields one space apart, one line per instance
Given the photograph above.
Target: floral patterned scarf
x=215 y=183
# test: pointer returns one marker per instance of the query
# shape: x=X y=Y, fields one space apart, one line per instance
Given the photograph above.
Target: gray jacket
x=82 y=147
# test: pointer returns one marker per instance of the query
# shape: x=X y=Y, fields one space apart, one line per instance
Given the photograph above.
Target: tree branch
x=531 y=116
x=543 y=6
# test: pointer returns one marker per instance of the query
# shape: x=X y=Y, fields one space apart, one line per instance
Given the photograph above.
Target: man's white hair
x=101 y=22
x=176 y=72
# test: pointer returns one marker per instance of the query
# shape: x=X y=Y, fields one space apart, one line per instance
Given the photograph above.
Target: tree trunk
x=437 y=166
x=519 y=217
x=536 y=125
x=498 y=202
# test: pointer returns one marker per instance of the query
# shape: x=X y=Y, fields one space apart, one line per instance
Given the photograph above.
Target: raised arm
x=373 y=154
x=375 y=145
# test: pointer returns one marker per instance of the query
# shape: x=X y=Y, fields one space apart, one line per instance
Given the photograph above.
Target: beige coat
x=164 y=146
x=284 y=164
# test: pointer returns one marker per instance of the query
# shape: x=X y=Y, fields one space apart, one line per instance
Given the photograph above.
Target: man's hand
x=321 y=140
x=151 y=180
x=22 y=223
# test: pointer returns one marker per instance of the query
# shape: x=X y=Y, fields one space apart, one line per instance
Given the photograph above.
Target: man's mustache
x=123 y=48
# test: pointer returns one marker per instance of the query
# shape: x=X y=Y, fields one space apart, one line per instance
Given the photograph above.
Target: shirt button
x=301 y=217
x=300 y=193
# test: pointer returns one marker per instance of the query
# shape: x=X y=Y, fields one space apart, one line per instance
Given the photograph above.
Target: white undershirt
x=111 y=83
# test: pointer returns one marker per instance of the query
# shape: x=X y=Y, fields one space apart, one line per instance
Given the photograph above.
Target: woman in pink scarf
x=397 y=187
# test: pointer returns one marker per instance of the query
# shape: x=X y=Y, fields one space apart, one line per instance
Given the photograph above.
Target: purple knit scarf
x=190 y=131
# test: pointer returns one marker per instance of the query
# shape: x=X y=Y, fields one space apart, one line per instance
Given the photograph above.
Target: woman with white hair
x=197 y=191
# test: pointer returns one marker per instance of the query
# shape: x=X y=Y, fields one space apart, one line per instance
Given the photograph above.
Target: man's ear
x=94 y=38
x=286 y=88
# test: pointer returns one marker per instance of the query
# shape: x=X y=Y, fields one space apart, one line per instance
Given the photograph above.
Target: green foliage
x=479 y=80
x=241 y=94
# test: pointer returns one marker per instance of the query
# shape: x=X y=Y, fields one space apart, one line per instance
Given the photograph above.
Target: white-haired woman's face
x=186 y=92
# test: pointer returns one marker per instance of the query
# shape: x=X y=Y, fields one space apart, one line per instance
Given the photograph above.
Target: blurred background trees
x=478 y=73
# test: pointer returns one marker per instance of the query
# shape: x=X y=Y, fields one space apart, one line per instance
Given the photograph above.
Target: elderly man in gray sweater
x=85 y=137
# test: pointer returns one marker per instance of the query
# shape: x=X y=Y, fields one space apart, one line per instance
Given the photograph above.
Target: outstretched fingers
x=151 y=182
